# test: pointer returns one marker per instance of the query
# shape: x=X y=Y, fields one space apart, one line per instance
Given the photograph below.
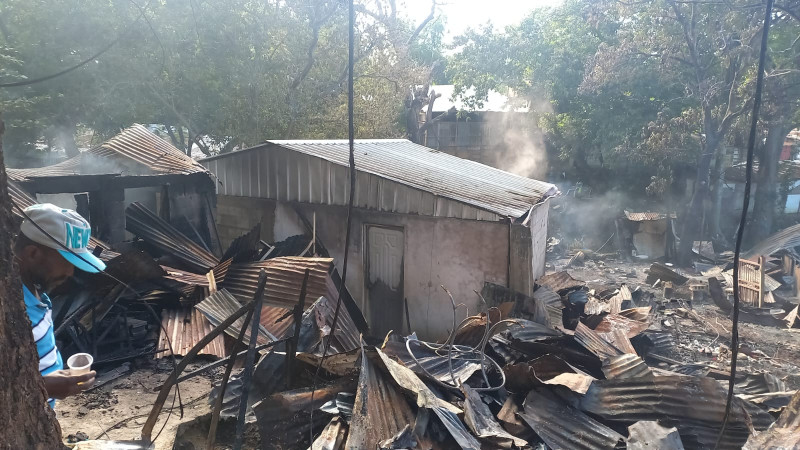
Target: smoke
x=91 y=164
x=586 y=219
x=519 y=144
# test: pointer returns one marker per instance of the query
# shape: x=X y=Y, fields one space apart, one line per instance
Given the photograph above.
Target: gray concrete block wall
x=236 y=216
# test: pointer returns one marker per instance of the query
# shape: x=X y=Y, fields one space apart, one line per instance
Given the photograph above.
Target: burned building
x=133 y=166
x=423 y=219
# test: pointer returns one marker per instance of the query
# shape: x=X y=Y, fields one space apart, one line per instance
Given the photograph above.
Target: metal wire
x=751 y=143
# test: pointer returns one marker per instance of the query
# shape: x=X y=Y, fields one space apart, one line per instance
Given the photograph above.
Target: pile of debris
x=564 y=368
x=166 y=291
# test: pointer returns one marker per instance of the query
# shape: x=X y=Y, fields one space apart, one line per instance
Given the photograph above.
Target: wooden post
x=760 y=281
x=298 y=321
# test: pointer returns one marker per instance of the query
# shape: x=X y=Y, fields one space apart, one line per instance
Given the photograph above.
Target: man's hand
x=61 y=384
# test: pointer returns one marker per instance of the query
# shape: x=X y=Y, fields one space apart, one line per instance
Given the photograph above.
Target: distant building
x=482 y=132
x=422 y=219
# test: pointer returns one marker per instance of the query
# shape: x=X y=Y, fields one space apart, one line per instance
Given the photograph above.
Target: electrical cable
x=351 y=140
x=138 y=297
x=751 y=143
x=82 y=63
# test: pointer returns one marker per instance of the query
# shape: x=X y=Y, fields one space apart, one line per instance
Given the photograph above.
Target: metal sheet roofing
x=284 y=279
x=185 y=328
x=134 y=151
x=221 y=305
x=273 y=170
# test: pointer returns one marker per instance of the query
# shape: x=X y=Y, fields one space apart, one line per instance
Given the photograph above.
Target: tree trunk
x=718 y=181
x=693 y=219
x=766 y=195
x=28 y=421
x=67 y=134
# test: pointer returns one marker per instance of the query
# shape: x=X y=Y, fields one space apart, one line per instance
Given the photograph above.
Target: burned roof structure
x=149 y=168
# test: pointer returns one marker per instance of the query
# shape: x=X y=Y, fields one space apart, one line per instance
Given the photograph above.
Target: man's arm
x=60 y=384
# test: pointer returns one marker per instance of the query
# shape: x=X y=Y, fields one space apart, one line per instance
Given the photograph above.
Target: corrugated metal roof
x=284 y=280
x=143 y=223
x=185 y=328
x=593 y=342
x=647 y=216
x=380 y=411
x=267 y=171
x=625 y=366
x=561 y=426
x=695 y=405
x=221 y=305
x=786 y=238
x=134 y=151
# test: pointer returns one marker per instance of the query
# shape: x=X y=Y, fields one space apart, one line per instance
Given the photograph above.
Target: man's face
x=45 y=266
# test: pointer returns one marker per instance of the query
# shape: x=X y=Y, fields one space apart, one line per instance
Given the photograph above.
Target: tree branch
x=436 y=119
x=422 y=25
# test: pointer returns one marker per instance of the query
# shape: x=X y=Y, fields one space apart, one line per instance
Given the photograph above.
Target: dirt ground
x=118 y=409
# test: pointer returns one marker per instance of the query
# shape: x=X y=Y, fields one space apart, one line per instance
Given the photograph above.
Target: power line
x=751 y=144
x=82 y=63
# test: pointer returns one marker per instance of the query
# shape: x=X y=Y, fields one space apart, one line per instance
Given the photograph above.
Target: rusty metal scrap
x=547 y=369
x=630 y=327
x=563 y=427
x=221 y=304
x=483 y=424
x=593 y=342
x=759 y=383
x=380 y=411
x=560 y=282
x=185 y=328
x=285 y=276
x=332 y=437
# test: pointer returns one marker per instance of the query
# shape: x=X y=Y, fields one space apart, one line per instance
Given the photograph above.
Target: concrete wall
x=459 y=254
x=236 y=216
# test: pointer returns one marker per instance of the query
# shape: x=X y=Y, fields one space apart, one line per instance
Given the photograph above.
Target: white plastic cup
x=80 y=363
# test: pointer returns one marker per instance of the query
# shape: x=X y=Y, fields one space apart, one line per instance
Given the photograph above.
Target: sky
x=462 y=14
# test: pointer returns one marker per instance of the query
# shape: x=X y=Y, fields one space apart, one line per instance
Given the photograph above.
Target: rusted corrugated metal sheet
x=695 y=405
x=221 y=305
x=284 y=280
x=595 y=343
x=560 y=282
x=185 y=328
x=347 y=337
x=393 y=175
x=380 y=411
x=612 y=322
x=134 y=151
x=140 y=145
x=647 y=216
x=561 y=426
x=143 y=223
x=759 y=383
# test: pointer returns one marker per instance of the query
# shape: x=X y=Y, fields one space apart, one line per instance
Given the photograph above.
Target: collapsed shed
x=423 y=218
x=651 y=234
x=133 y=166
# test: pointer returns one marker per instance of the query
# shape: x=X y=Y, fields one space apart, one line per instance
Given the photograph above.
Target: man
x=52 y=242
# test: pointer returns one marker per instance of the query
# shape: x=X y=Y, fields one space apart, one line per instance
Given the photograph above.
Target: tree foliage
x=214 y=74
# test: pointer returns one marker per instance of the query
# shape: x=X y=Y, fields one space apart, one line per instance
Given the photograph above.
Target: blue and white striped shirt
x=40 y=311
